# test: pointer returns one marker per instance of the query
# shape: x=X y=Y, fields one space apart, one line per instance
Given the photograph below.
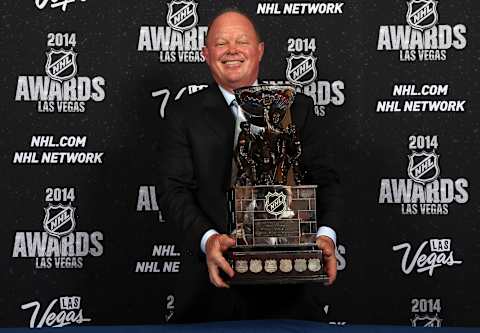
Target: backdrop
x=85 y=85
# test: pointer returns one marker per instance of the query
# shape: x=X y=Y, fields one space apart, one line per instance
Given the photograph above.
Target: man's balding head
x=234 y=50
x=240 y=12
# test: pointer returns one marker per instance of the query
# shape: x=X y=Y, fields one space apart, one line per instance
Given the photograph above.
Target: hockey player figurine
x=291 y=150
x=245 y=164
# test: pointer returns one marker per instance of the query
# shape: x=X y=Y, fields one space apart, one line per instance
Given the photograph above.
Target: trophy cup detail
x=273 y=215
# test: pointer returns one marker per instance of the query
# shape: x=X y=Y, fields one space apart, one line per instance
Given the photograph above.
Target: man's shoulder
x=201 y=95
x=191 y=103
x=301 y=98
x=302 y=106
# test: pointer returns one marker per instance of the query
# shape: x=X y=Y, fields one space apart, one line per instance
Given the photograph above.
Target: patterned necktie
x=235 y=108
x=239 y=117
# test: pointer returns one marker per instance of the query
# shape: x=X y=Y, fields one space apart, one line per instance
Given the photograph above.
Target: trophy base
x=287 y=266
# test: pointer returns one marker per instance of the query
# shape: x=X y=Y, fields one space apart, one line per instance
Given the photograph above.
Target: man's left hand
x=327 y=246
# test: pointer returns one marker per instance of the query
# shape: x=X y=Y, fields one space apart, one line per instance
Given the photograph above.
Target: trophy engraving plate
x=270 y=266
x=255 y=266
x=300 y=265
x=285 y=265
x=282 y=228
x=314 y=265
x=241 y=266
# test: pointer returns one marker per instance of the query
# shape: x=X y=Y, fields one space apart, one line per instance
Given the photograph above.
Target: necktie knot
x=234 y=107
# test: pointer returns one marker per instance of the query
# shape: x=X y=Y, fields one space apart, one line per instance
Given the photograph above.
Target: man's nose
x=232 y=48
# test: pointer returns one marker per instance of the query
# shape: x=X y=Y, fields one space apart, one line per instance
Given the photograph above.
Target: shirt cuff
x=206 y=236
x=326 y=231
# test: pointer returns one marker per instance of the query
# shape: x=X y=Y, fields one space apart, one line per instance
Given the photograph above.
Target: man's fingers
x=215 y=277
x=326 y=246
x=217 y=281
x=216 y=246
x=225 y=266
x=329 y=260
x=330 y=268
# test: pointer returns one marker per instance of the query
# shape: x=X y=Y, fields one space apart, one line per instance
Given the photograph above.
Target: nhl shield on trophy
x=273 y=214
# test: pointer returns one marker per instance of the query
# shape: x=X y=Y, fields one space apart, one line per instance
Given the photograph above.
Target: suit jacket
x=196 y=159
x=195 y=175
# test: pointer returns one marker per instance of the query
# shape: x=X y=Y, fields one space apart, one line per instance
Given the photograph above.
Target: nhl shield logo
x=301 y=69
x=275 y=203
x=423 y=167
x=61 y=65
x=422 y=14
x=59 y=220
x=182 y=15
x=426 y=321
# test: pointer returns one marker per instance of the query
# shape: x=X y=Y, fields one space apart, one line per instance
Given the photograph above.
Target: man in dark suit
x=199 y=136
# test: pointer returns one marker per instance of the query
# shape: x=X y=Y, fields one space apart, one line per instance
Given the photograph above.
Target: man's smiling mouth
x=232 y=62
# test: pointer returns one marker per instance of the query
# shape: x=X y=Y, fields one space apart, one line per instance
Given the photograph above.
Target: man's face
x=233 y=51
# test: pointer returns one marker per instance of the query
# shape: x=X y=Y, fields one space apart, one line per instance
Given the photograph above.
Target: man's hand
x=327 y=246
x=215 y=247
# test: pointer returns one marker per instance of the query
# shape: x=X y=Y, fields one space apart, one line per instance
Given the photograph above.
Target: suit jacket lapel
x=221 y=121
x=218 y=115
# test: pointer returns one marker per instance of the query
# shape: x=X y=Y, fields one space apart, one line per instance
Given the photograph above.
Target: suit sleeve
x=318 y=163
x=177 y=181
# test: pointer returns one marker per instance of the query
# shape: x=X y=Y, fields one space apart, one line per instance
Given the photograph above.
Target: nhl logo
x=423 y=167
x=59 y=220
x=301 y=69
x=182 y=15
x=275 y=203
x=422 y=14
x=61 y=65
x=426 y=321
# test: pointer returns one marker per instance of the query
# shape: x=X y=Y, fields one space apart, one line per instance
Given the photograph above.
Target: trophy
x=272 y=214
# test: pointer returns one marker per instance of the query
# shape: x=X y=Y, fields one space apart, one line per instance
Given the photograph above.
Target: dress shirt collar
x=229 y=96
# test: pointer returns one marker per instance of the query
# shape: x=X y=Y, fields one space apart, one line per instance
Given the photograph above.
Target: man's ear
x=261 y=49
x=205 y=54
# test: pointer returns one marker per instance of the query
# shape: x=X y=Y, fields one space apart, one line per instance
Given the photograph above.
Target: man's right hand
x=214 y=248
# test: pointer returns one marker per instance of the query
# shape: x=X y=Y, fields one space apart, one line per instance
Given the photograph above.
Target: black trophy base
x=276 y=266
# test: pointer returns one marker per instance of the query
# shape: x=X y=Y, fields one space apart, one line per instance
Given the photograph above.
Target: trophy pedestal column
x=275 y=231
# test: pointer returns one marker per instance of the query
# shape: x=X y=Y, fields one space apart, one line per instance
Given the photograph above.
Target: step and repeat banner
x=86 y=84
